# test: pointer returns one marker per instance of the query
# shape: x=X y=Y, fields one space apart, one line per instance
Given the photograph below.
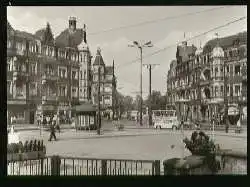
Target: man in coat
x=52 y=132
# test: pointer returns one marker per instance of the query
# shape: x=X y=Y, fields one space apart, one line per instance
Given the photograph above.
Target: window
x=20 y=115
x=106 y=97
x=237 y=69
x=81 y=74
x=8 y=87
x=9 y=67
x=74 y=92
x=215 y=91
x=228 y=90
x=33 y=89
x=33 y=68
x=228 y=69
x=19 y=91
x=62 y=91
x=73 y=74
x=221 y=89
x=216 y=72
x=237 y=90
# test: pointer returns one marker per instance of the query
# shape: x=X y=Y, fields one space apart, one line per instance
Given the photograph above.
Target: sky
x=114 y=44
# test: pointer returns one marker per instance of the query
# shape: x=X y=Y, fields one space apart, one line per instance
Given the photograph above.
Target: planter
x=25 y=156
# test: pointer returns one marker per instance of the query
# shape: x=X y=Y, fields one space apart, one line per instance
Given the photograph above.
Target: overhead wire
x=174 y=45
x=155 y=20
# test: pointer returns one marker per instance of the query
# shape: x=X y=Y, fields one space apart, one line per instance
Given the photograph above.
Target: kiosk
x=85 y=117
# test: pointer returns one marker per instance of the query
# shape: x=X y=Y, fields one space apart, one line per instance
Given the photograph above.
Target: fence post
x=55 y=165
x=41 y=166
x=104 y=167
x=157 y=164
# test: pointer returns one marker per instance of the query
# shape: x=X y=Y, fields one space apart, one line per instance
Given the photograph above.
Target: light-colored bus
x=165 y=119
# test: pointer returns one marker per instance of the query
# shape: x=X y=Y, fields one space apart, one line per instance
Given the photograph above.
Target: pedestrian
x=56 y=121
x=52 y=132
x=38 y=120
x=238 y=126
x=47 y=120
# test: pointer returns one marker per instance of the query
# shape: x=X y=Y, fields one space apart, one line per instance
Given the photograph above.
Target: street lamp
x=182 y=100
x=140 y=47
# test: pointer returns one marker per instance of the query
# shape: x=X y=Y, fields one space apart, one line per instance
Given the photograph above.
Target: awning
x=86 y=107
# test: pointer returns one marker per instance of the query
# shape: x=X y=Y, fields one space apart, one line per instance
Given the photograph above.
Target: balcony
x=204 y=82
x=49 y=77
x=49 y=98
x=19 y=73
x=11 y=51
x=17 y=100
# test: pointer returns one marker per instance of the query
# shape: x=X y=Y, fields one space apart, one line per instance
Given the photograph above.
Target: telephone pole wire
x=149 y=67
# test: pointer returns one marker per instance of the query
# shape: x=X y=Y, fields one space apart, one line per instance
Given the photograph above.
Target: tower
x=72 y=24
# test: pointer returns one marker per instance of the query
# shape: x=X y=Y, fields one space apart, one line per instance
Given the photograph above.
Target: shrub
x=29 y=146
x=200 y=144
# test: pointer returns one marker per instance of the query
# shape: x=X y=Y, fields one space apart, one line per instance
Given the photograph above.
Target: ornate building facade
x=46 y=75
x=107 y=83
x=196 y=81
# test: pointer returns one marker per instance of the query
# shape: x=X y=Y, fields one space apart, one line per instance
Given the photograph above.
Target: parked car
x=167 y=124
x=133 y=115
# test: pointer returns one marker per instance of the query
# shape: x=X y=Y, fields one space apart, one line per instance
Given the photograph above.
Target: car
x=133 y=115
x=166 y=124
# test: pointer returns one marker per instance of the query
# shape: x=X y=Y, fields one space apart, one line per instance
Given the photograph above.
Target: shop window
x=20 y=115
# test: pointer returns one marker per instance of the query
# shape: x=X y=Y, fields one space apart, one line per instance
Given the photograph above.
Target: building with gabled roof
x=107 y=84
x=47 y=75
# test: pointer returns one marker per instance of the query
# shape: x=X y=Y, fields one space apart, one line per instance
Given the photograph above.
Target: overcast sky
x=114 y=44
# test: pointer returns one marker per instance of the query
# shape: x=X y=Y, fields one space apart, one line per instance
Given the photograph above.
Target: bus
x=160 y=117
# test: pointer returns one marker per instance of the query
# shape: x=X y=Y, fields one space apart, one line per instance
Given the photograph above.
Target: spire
x=98 y=52
x=84 y=33
x=217 y=39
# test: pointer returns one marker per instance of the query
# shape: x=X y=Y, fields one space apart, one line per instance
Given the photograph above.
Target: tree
x=48 y=36
x=136 y=102
x=158 y=102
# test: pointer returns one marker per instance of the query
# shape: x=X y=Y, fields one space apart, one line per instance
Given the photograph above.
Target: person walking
x=38 y=120
x=52 y=132
x=56 y=121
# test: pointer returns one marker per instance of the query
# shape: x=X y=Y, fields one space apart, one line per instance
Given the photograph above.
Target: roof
x=40 y=33
x=226 y=41
x=67 y=39
x=23 y=34
x=185 y=51
x=109 y=70
x=98 y=59
x=86 y=107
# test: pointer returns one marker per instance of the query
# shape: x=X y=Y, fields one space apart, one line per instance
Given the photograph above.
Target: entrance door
x=32 y=117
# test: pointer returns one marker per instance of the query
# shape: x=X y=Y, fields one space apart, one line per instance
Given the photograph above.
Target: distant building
x=195 y=83
x=107 y=83
x=46 y=75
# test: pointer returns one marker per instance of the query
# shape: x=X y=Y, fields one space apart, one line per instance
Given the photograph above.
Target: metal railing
x=73 y=166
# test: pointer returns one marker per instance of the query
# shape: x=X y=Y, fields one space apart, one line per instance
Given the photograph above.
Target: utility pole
x=99 y=107
x=140 y=46
x=113 y=91
x=141 y=101
x=149 y=66
x=225 y=98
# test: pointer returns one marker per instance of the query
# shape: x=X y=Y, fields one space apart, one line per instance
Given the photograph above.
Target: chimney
x=184 y=43
x=72 y=23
